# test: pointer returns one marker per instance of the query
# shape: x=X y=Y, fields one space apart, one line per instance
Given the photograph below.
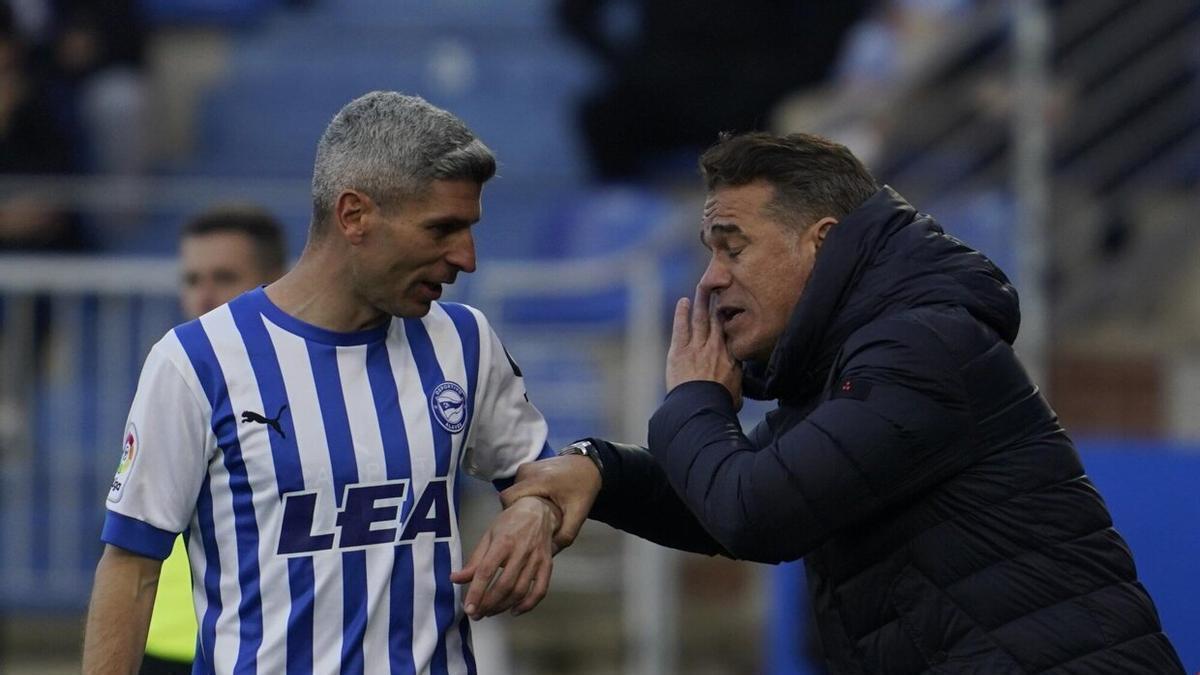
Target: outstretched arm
x=633 y=495
x=119 y=613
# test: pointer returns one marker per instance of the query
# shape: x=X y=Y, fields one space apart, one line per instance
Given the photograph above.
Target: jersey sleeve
x=507 y=430
x=163 y=459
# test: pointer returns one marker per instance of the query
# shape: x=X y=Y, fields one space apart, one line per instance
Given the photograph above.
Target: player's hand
x=571 y=482
x=698 y=350
x=511 y=565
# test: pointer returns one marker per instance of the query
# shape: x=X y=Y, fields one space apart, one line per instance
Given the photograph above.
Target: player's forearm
x=119 y=613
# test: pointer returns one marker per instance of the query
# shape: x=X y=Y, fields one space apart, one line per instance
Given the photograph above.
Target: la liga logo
x=129 y=453
x=129 y=450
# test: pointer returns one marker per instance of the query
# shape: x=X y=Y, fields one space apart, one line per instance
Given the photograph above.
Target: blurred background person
x=90 y=57
x=33 y=140
x=678 y=72
x=223 y=253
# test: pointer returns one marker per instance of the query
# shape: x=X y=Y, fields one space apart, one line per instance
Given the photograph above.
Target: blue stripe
x=204 y=361
x=431 y=376
x=464 y=632
x=300 y=616
x=354 y=610
x=345 y=472
x=133 y=535
x=289 y=474
x=399 y=466
x=212 y=573
x=468 y=333
x=443 y=605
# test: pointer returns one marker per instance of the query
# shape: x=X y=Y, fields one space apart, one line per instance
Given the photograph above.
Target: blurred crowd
x=929 y=109
x=72 y=99
x=75 y=83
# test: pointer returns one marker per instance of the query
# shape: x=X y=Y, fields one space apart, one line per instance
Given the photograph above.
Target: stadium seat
x=209 y=12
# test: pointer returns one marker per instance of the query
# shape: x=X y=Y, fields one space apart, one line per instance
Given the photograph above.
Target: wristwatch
x=587 y=449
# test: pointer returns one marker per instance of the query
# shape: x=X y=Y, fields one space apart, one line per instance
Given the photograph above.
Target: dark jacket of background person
x=944 y=516
x=687 y=70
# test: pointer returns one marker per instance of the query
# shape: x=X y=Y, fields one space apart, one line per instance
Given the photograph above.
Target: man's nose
x=462 y=253
x=716 y=276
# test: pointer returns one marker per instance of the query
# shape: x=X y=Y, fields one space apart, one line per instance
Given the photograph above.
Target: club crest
x=449 y=404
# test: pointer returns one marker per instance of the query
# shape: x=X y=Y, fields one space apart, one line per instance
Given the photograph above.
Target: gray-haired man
x=307 y=435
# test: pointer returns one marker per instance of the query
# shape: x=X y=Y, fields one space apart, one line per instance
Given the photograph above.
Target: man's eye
x=734 y=252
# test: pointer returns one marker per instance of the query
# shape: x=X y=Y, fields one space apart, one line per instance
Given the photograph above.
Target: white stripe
x=415 y=408
x=198 y=564
x=314 y=461
x=255 y=442
x=228 y=638
x=447 y=345
x=173 y=350
x=369 y=457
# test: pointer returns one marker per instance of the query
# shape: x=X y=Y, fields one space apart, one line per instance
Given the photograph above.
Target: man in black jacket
x=944 y=517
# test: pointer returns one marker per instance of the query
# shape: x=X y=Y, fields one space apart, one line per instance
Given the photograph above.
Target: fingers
x=715 y=332
x=681 y=330
x=700 y=313
x=483 y=565
x=509 y=587
x=506 y=565
x=539 y=586
x=467 y=573
x=463 y=576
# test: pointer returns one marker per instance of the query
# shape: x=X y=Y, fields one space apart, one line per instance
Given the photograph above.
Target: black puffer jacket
x=943 y=514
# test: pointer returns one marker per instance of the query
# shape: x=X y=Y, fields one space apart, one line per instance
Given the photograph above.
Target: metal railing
x=73 y=333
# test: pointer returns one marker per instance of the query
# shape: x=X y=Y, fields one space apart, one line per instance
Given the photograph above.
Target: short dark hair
x=256 y=223
x=813 y=177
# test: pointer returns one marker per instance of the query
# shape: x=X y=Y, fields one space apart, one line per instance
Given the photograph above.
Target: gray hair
x=390 y=146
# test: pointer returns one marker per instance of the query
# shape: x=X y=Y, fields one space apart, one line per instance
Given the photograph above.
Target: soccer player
x=308 y=435
x=223 y=252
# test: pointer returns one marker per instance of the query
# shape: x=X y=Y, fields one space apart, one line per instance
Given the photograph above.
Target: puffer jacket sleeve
x=637 y=498
x=886 y=435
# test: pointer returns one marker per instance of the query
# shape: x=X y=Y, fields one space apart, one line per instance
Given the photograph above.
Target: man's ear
x=821 y=229
x=350 y=213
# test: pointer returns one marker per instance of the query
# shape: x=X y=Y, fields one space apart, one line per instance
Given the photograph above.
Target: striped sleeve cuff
x=137 y=537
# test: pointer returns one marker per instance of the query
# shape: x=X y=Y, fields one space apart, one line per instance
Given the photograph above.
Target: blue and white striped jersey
x=315 y=474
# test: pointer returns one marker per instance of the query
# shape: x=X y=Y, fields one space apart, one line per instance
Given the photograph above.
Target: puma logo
x=251 y=416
